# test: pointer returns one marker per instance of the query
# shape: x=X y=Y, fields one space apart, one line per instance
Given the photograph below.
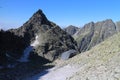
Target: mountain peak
x=38 y=12
x=38 y=18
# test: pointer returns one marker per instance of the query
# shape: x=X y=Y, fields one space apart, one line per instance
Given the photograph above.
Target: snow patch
x=67 y=54
x=36 y=42
x=26 y=53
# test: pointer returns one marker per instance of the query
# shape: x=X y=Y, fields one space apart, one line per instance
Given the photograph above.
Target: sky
x=14 y=13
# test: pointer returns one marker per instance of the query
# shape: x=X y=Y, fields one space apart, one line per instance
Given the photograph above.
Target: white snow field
x=56 y=73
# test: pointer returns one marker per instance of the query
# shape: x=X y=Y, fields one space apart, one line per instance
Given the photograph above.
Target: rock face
x=11 y=47
x=71 y=29
x=94 y=33
x=51 y=40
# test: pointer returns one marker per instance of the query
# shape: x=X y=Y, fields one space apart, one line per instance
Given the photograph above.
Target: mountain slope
x=94 y=33
x=102 y=62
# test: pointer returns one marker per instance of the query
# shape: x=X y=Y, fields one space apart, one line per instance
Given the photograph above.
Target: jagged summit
x=38 y=18
x=39 y=11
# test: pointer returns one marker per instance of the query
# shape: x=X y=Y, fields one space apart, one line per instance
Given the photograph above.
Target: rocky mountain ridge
x=94 y=33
